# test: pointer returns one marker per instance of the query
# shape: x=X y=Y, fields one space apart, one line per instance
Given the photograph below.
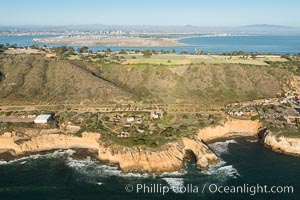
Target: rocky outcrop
x=9 y=142
x=134 y=159
x=170 y=158
x=231 y=127
x=282 y=144
x=139 y=159
x=204 y=155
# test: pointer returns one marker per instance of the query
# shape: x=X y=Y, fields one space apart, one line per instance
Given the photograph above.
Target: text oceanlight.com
x=208 y=188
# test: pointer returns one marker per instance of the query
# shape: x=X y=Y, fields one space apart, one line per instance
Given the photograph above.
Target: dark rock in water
x=7 y=156
x=84 y=153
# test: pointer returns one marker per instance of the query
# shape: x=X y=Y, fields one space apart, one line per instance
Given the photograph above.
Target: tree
x=200 y=53
x=174 y=51
x=83 y=50
x=253 y=55
x=108 y=50
x=123 y=52
x=2 y=48
x=71 y=50
x=154 y=52
x=146 y=53
x=60 y=51
x=184 y=52
x=1 y=76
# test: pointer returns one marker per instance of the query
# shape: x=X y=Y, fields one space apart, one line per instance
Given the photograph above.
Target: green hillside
x=35 y=78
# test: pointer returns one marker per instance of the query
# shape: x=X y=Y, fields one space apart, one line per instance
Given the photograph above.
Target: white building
x=130 y=119
x=155 y=115
x=42 y=119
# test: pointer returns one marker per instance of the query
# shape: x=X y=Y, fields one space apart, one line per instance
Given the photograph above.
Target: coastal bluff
x=232 y=127
x=282 y=144
x=168 y=158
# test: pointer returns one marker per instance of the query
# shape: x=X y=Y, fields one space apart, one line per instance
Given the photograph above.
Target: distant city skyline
x=133 y=12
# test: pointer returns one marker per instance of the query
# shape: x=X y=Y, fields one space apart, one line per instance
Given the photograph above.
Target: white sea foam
x=221 y=147
x=222 y=172
x=213 y=168
x=174 y=182
x=92 y=168
x=2 y=162
x=173 y=174
x=99 y=183
x=229 y=170
x=54 y=154
x=24 y=162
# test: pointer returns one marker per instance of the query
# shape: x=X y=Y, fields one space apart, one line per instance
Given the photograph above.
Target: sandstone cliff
x=168 y=158
x=135 y=159
x=9 y=142
x=283 y=144
x=232 y=127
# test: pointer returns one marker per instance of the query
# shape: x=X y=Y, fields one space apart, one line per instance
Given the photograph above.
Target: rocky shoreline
x=170 y=158
x=135 y=159
x=281 y=144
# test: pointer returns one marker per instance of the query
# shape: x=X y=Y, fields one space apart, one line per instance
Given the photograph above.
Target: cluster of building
x=135 y=121
x=240 y=113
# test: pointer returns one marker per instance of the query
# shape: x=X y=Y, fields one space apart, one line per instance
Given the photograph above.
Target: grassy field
x=22 y=51
x=170 y=59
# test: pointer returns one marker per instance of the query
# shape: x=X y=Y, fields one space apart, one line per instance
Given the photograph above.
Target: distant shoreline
x=117 y=41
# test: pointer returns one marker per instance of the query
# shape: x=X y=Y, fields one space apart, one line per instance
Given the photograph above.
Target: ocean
x=63 y=175
x=60 y=175
x=284 y=44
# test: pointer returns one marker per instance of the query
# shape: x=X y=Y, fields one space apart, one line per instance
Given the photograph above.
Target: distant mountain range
x=266 y=26
x=187 y=29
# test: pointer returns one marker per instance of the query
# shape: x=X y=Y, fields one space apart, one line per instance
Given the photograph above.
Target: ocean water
x=265 y=44
x=59 y=176
x=285 y=44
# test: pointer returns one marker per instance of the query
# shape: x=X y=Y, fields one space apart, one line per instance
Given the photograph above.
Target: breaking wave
x=92 y=168
x=221 y=147
x=25 y=159
x=93 y=171
x=173 y=174
x=174 y=182
x=222 y=172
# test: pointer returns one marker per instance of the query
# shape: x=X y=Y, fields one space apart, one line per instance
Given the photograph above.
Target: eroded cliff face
x=230 y=128
x=283 y=144
x=9 y=142
x=204 y=155
x=135 y=159
x=168 y=158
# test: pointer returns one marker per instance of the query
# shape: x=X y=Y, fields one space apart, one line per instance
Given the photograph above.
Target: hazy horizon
x=152 y=25
x=215 y=13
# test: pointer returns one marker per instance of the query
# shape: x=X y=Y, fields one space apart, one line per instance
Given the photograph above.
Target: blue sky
x=151 y=12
